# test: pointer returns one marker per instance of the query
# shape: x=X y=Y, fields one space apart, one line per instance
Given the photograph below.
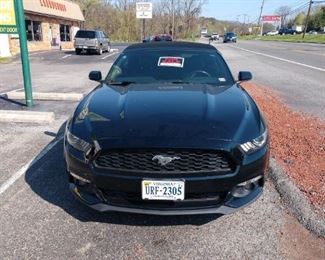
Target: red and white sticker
x=177 y=62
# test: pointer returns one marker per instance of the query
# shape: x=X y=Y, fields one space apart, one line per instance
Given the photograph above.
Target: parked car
x=168 y=131
x=313 y=32
x=271 y=33
x=230 y=37
x=148 y=39
x=285 y=31
x=162 y=38
x=91 y=41
x=214 y=37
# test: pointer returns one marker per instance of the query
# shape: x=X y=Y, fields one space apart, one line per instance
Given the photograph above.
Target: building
x=49 y=24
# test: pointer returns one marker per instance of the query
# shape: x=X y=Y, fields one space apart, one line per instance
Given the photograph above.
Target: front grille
x=189 y=161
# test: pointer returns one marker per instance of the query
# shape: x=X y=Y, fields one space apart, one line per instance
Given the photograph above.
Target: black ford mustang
x=168 y=131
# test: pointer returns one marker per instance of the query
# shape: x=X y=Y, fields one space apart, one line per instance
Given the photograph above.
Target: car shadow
x=47 y=178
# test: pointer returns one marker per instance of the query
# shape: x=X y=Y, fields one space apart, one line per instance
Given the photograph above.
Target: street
x=40 y=218
x=300 y=85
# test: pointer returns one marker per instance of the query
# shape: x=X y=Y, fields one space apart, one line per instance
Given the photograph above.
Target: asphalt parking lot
x=40 y=218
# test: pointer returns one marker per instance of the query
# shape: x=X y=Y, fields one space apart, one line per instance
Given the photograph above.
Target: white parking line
x=281 y=59
x=66 y=56
x=111 y=54
x=8 y=183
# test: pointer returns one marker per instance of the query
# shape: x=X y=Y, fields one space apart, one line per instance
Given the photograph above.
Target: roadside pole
x=143 y=29
x=20 y=20
x=260 y=23
x=143 y=11
x=307 y=18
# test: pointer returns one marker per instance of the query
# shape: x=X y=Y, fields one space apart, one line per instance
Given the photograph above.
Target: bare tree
x=283 y=11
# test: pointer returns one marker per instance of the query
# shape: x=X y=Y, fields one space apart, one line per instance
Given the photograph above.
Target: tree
x=300 y=19
x=283 y=11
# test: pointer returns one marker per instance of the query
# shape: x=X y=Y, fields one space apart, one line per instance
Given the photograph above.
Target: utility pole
x=307 y=18
x=173 y=22
x=259 y=18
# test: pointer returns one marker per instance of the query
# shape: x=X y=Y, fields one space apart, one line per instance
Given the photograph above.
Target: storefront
x=49 y=24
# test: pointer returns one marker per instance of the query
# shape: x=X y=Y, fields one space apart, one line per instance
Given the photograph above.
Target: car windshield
x=86 y=34
x=170 y=66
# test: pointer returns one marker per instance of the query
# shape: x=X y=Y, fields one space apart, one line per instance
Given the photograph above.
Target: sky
x=232 y=10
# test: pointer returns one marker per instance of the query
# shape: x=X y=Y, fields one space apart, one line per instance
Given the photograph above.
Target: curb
x=26 y=116
x=46 y=96
x=296 y=201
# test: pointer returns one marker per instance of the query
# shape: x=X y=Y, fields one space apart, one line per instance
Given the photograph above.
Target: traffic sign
x=144 y=10
x=7 y=17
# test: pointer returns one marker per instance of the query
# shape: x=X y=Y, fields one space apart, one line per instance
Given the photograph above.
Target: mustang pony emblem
x=164 y=160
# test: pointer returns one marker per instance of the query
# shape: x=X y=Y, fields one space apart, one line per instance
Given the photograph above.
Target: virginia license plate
x=163 y=190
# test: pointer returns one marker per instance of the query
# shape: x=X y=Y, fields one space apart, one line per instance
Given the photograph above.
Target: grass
x=5 y=60
x=319 y=38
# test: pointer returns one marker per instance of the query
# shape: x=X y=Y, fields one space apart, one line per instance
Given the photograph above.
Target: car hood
x=190 y=115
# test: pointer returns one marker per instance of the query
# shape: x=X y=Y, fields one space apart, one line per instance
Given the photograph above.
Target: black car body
x=230 y=37
x=168 y=132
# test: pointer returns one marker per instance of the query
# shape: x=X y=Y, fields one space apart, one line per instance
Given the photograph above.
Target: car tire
x=78 y=51
x=100 y=51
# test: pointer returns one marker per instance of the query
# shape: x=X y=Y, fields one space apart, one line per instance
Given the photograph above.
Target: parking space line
x=8 y=183
x=66 y=56
x=281 y=59
x=111 y=54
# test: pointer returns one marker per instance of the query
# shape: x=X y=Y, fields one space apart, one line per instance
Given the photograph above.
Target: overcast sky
x=230 y=9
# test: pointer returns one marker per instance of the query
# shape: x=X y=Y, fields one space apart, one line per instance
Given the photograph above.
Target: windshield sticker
x=222 y=79
x=177 y=62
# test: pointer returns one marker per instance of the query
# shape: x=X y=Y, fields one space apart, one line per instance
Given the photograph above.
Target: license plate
x=85 y=47
x=163 y=190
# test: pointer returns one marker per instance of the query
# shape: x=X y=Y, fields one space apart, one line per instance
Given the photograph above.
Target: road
x=295 y=71
x=40 y=219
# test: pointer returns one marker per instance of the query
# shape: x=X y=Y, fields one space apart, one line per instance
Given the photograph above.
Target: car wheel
x=78 y=51
x=100 y=51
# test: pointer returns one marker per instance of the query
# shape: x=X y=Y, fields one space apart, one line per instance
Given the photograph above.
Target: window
x=65 y=33
x=174 y=65
x=33 y=30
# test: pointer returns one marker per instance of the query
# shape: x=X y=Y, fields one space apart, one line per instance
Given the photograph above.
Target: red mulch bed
x=297 y=143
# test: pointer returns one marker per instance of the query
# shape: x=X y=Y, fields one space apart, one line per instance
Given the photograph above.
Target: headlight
x=255 y=144
x=77 y=143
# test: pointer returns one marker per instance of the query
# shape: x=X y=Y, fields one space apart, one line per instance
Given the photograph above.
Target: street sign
x=144 y=10
x=7 y=17
x=271 y=18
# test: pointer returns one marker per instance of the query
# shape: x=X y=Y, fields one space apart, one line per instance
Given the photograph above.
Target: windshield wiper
x=121 y=83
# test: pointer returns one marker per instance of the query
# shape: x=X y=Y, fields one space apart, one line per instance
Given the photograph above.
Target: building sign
x=271 y=18
x=53 y=5
x=144 y=10
x=7 y=17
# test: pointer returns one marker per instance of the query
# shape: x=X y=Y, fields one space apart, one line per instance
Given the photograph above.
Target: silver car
x=91 y=40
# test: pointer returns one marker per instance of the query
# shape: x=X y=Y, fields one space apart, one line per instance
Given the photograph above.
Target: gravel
x=297 y=144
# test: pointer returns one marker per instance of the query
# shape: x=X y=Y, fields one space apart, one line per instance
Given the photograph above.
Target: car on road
x=284 y=31
x=313 y=32
x=148 y=39
x=271 y=33
x=91 y=41
x=158 y=38
x=168 y=131
x=214 y=37
x=230 y=37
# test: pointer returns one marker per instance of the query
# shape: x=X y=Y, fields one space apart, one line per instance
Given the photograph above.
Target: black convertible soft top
x=157 y=45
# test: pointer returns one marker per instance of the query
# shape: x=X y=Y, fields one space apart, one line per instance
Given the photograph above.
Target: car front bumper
x=111 y=191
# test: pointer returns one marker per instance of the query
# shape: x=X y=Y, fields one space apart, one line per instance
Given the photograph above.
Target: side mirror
x=95 y=75
x=244 y=76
